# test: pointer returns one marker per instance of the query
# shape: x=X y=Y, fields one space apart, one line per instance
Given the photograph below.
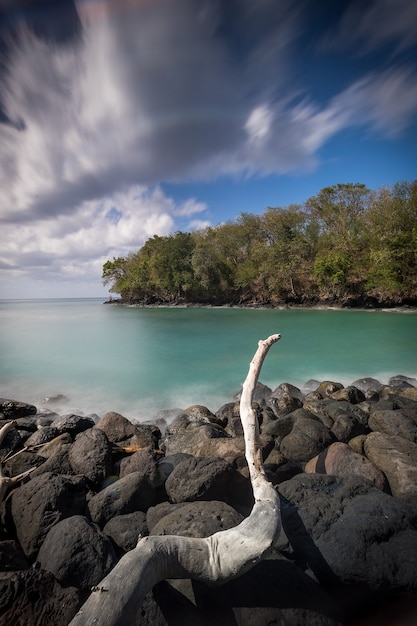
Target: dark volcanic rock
x=198 y=519
x=11 y=556
x=307 y=438
x=395 y=422
x=34 y=597
x=43 y=502
x=77 y=553
x=125 y=530
x=368 y=384
x=142 y=461
x=14 y=408
x=199 y=479
x=131 y=493
x=121 y=431
x=397 y=458
x=72 y=424
x=42 y=435
x=350 y=394
x=91 y=455
x=348 y=531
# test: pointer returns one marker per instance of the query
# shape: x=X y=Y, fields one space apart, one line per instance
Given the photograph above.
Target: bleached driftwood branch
x=213 y=560
x=6 y=482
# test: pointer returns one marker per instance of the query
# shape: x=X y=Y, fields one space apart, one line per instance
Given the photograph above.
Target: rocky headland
x=78 y=491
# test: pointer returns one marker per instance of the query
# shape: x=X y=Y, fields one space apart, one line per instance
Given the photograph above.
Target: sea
x=86 y=357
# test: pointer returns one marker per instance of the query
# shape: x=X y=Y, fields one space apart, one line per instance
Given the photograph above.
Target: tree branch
x=213 y=560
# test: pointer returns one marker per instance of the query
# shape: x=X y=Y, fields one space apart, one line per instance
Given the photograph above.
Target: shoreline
x=401 y=308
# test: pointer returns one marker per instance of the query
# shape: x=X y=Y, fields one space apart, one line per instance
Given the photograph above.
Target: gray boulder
x=199 y=479
x=142 y=461
x=43 y=502
x=395 y=422
x=72 y=424
x=198 y=519
x=91 y=455
x=350 y=532
x=14 y=408
x=131 y=493
x=307 y=438
x=77 y=553
x=125 y=530
x=397 y=458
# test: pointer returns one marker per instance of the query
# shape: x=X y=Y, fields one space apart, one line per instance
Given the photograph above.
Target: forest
x=347 y=246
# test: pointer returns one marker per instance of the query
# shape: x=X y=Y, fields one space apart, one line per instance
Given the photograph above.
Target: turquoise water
x=137 y=361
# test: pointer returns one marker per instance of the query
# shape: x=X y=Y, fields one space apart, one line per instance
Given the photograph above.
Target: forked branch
x=213 y=560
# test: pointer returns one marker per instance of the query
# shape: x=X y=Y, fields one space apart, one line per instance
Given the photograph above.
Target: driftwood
x=6 y=482
x=213 y=560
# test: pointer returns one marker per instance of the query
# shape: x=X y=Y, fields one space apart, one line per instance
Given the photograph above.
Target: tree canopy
x=347 y=244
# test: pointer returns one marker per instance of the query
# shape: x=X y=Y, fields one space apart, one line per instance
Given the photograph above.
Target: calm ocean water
x=137 y=361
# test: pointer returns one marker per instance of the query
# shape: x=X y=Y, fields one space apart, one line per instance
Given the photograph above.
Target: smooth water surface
x=139 y=360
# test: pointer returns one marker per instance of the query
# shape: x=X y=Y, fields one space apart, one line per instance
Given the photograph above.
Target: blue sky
x=121 y=119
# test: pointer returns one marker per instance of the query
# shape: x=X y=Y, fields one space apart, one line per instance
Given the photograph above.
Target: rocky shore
x=343 y=459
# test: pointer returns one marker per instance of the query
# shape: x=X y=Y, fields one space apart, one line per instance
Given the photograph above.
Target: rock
x=72 y=424
x=201 y=414
x=261 y=395
x=341 y=460
x=350 y=532
x=14 y=409
x=345 y=420
x=121 y=431
x=397 y=458
x=368 y=384
x=167 y=463
x=307 y=438
x=199 y=479
x=283 y=425
x=394 y=422
x=283 y=404
x=155 y=513
x=310 y=386
x=57 y=460
x=327 y=387
x=350 y=394
x=43 y=502
x=11 y=556
x=77 y=553
x=358 y=444
x=33 y=597
x=402 y=381
x=125 y=530
x=288 y=389
x=22 y=462
x=91 y=455
x=42 y=435
x=131 y=493
x=198 y=519
x=142 y=461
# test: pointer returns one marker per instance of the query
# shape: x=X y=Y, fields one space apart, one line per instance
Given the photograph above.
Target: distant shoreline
x=396 y=308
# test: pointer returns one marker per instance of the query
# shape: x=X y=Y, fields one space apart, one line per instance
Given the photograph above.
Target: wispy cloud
x=170 y=91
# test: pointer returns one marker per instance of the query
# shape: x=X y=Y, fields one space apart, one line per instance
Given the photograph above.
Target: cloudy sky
x=121 y=119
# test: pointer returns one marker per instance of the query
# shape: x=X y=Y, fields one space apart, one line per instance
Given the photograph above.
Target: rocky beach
x=79 y=490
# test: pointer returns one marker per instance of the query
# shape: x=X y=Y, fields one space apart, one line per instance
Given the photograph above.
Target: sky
x=124 y=119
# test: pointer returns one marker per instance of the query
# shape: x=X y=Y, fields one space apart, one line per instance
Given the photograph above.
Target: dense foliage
x=347 y=245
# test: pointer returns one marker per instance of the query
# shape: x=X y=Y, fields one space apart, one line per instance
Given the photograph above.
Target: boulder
x=307 y=438
x=402 y=381
x=261 y=394
x=125 y=434
x=283 y=404
x=12 y=556
x=350 y=532
x=131 y=493
x=22 y=462
x=125 y=530
x=327 y=387
x=42 y=435
x=198 y=519
x=395 y=422
x=91 y=455
x=142 y=461
x=397 y=458
x=43 y=502
x=350 y=394
x=72 y=424
x=368 y=384
x=57 y=460
x=14 y=409
x=167 y=463
x=288 y=389
x=199 y=479
x=32 y=597
x=77 y=553
x=155 y=513
x=341 y=460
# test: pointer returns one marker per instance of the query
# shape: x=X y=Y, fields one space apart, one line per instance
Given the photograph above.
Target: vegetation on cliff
x=347 y=245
